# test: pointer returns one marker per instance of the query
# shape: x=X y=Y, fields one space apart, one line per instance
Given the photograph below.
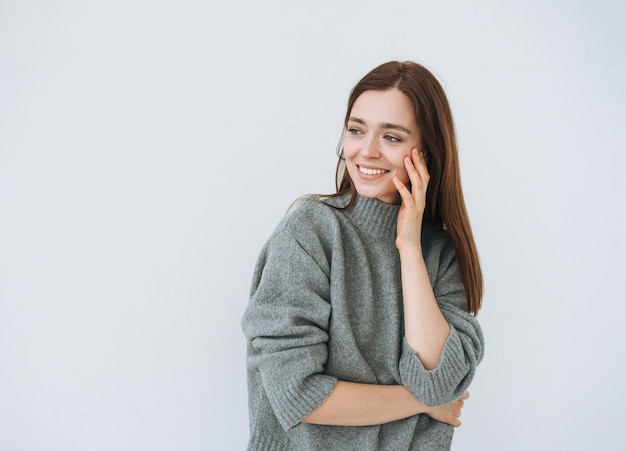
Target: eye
x=392 y=139
x=354 y=131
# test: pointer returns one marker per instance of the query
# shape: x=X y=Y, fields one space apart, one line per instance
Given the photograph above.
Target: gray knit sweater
x=326 y=305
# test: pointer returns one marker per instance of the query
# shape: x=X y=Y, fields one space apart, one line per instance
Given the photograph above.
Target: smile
x=367 y=171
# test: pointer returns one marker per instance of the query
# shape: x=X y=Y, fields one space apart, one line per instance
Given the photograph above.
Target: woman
x=361 y=329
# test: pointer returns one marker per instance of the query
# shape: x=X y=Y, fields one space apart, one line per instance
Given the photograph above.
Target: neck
x=374 y=216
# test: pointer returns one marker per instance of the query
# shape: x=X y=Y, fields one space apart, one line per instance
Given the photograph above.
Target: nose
x=370 y=148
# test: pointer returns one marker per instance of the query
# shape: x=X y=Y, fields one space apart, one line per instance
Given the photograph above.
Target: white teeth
x=371 y=171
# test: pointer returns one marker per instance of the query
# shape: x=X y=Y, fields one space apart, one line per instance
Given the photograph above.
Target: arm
x=286 y=325
x=426 y=329
x=443 y=342
x=352 y=404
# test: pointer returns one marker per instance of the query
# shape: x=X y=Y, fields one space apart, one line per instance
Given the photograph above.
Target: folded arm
x=352 y=404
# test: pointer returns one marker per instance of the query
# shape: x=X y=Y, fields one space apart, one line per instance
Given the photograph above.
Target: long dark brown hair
x=445 y=206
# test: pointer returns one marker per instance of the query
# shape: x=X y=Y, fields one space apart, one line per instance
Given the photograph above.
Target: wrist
x=409 y=249
x=412 y=405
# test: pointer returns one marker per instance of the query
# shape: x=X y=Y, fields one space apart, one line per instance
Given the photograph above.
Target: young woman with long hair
x=361 y=323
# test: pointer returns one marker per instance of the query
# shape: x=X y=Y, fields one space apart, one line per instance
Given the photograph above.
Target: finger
x=419 y=161
x=405 y=194
x=465 y=395
x=410 y=162
x=418 y=157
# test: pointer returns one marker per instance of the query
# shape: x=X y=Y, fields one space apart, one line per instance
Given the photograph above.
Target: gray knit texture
x=326 y=305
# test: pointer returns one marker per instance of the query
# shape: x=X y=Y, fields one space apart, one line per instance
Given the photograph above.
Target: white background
x=148 y=149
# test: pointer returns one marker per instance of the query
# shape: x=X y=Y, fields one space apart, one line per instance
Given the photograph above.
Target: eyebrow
x=385 y=125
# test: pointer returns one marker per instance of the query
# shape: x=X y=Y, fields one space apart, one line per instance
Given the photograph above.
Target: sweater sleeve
x=463 y=349
x=286 y=324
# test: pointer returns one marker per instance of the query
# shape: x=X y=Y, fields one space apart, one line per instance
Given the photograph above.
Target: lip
x=370 y=177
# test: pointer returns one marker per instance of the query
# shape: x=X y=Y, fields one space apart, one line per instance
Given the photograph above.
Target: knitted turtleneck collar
x=373 y=216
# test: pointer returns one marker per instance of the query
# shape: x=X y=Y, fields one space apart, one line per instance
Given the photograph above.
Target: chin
x=367 y=192
x=383 y=197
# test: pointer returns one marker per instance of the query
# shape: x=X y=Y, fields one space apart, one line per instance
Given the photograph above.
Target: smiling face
x=381 y=131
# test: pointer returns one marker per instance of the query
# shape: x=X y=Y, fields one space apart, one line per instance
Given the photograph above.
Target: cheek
x=401 y=171
x=349 y=151
x=403 y=176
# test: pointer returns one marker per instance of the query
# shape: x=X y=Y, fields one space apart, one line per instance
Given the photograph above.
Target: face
x=382 y=131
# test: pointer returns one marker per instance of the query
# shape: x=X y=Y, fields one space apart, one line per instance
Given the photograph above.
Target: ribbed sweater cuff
x=441 y=385
x=295 y=402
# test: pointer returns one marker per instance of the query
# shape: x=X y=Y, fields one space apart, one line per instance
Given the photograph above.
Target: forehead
x=390 y=106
